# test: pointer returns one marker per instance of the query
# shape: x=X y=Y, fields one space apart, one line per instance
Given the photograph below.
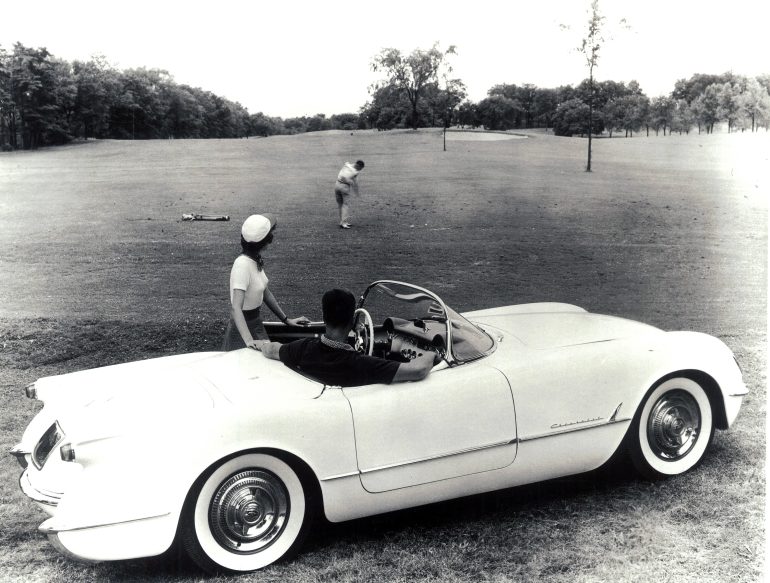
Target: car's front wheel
x=247 y=513
x=672 y=429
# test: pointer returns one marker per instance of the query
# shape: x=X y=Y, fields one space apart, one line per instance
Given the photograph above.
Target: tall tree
x=590 y=46
x=411 y=74
x=97 y=87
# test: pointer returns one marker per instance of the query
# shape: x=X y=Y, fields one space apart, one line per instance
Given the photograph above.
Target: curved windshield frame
x=387 y=299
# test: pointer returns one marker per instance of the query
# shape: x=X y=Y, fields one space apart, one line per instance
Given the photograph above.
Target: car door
x=455 y=422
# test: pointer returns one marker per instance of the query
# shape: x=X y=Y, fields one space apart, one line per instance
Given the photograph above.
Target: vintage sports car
x=232 y=454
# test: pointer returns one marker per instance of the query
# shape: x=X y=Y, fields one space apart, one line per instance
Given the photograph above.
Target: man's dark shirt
x=336 y=366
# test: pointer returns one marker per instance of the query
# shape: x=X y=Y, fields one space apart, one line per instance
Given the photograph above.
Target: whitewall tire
x=672 y=429
x=247 y=513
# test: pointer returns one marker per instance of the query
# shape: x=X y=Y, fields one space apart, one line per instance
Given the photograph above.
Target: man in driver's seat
x=332 y=360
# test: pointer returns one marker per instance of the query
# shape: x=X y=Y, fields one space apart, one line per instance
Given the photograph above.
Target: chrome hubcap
x=673 y=425
x=249 y=511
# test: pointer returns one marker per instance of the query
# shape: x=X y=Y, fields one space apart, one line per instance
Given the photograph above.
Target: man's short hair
x=360 y=163
x=339 y=306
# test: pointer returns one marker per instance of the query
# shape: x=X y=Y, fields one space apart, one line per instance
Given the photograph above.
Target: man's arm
x=416 y=369
x=269 y=349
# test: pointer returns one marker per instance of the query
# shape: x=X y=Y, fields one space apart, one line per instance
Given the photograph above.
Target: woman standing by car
x=249 y=287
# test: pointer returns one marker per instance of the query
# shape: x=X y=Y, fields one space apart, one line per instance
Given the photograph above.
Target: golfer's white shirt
x=246 y=275
x=347 y=174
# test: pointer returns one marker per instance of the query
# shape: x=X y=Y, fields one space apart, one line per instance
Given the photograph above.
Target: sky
x=289 y=58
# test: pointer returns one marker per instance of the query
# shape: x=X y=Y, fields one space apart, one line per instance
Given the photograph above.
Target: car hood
x=544 y=326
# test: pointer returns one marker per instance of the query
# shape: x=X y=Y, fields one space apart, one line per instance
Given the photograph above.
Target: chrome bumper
x=44 y=497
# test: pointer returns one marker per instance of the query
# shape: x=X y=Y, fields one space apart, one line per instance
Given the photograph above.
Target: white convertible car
x=232 y=454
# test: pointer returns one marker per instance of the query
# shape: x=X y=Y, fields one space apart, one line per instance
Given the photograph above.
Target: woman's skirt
x=233 y=340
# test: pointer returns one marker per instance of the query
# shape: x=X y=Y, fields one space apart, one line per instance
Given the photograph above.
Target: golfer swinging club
x=346 y=182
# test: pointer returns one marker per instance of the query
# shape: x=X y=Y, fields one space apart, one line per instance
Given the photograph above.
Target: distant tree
x=532 y=102
x=572 y=118
x=59 y=110
x=634 y=111
x=662 y=113
x=565 y=93
x=603 y=92
x=262 y=125
x=497 y=112
x=706 y=107
x=318 y=123
x=388 y=109
x=764 y=81
x=467 y=115
x=39 y=96
x=346 y=121
x=7 y=105
x=97 y=91
x=184 y=117
x=410 y=74
x=612 y=115
x=755 y=103
x=690 y=89
x=729 y=104
x=683 y=117
x=544 y=106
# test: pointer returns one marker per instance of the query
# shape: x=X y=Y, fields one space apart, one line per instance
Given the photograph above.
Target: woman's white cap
x=256 y=227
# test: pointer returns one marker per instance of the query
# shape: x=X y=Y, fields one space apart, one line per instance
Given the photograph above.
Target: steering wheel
x=364 y=331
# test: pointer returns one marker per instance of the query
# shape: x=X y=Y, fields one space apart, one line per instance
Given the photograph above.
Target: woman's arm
x=269 y=299
x=240 y=321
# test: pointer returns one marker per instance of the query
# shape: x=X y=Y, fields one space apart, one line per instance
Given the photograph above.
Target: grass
x=98 y=268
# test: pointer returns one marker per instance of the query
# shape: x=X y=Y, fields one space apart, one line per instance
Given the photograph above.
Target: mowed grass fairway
x=97 y=268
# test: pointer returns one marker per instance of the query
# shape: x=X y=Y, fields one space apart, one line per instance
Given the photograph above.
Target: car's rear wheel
x=672 y=429
x=245 y=514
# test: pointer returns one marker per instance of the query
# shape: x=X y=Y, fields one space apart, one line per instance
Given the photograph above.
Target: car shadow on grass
x=512 y=504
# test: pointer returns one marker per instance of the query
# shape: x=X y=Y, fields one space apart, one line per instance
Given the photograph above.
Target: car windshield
x=399 y=300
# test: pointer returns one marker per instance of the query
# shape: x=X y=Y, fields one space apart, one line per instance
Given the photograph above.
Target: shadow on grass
x=522 y=503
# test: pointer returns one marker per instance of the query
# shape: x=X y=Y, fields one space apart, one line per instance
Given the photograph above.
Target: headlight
x=44 y=447
x=30 y=391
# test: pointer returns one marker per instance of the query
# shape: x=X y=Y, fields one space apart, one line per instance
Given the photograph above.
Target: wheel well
x=306 y=475
x=712 y=389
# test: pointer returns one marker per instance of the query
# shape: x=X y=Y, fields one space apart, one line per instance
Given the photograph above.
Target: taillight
x=44 y=447
x=67 y=452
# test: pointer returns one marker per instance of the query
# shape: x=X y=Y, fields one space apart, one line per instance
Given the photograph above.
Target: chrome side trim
x=56 y=529
x=340 y=476
x=421 y=460
x=612 y=421
x=573 y=429
x=439 y=456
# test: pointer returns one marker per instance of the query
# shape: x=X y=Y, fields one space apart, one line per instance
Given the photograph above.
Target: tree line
x=699 y=102
x=46 y=101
